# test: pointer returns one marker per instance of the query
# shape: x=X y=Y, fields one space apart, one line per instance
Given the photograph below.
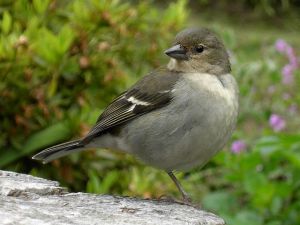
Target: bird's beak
x=177 y=52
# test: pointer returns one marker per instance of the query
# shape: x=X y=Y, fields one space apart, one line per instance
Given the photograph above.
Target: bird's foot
x=185 y=201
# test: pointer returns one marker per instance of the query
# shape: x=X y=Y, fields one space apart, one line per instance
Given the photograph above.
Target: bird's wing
x=152 y=92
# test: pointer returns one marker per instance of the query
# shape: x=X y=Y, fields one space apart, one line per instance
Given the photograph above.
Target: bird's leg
x=185 y=196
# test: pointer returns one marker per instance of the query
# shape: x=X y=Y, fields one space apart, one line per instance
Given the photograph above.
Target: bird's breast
x=200 y=85
x=206 y=100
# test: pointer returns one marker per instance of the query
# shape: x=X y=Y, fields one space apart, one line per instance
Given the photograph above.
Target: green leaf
x=248 y=218
x=253 y=181
x=52 y=86
x=6 y=23
x=293 y=158
x=108 y=181
x=46 y=45
x=65 y=38
x=40 y=5
x=220 y=201
x=93 y=185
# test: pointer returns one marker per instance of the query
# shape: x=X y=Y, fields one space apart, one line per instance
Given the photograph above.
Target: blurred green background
x=62 y=62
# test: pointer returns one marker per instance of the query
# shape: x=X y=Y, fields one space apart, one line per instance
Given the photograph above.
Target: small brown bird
x=176 y=117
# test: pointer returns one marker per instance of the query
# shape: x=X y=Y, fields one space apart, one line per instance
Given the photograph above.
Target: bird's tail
x=58 y=151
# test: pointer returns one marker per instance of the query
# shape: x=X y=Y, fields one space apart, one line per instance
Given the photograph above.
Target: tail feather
x=58 y=151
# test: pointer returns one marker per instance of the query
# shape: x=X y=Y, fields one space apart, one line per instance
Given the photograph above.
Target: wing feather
x=150 y=93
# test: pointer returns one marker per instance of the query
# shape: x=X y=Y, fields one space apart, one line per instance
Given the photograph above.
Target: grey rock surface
x=29 y=200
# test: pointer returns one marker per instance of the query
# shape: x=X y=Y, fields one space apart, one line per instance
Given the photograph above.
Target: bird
x=174 y=118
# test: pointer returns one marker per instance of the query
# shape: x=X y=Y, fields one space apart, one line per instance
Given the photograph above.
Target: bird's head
x=198 y=50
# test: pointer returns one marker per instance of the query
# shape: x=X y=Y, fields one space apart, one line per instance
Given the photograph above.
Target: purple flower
x=288 y=70
x=277 y=122
x=238 y=146
x=281 y=45
x=287 y=74
x=292 y=57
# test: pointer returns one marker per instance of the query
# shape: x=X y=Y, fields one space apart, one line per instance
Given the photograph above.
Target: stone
x=29 y=200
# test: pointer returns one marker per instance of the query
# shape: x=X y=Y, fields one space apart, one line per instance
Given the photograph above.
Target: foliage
x=63 y=61
x=267 y=8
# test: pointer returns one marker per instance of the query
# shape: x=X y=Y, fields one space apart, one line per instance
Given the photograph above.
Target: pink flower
x=287 y=74
x=288 y=70
x=238 y=146
x=277 y=122
x=291 y=56
x=281 y=45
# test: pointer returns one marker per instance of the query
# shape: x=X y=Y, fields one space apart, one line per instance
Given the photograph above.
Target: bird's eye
x=199 y=48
